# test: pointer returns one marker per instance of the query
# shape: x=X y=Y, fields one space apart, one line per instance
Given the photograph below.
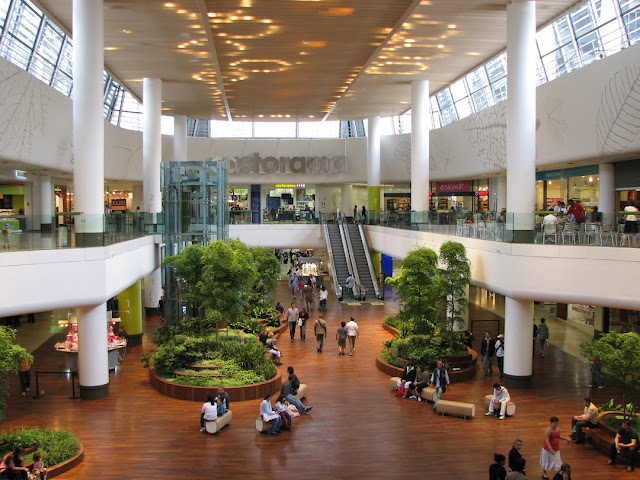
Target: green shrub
x=248 y=325
x=56 y=446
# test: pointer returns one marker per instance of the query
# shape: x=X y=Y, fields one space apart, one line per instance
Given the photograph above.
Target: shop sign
x=22 y=175
x=118 y=204
x=240 y=191
x=290 y=185
x=567 y=172
x=483 y=193
x=452 y=187
x=256 y=164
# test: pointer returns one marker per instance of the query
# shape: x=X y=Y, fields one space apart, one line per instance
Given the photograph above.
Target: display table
x=71 y=357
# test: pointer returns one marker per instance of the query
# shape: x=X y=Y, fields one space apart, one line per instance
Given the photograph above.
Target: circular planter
x=63 y=467
x=456 y=376
x=199 y=394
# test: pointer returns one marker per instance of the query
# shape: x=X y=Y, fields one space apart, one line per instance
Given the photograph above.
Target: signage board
x=454 y=186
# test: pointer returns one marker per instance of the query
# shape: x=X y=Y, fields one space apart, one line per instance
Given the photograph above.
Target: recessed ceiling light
x=452 y=25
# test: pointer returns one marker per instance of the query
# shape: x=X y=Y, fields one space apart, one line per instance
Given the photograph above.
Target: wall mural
x=618 y=119
x=23 y=103
x=440 y=154
x=487 y=133
x=402 y=155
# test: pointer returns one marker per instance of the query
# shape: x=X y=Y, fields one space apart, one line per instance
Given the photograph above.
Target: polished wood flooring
x=358 y=429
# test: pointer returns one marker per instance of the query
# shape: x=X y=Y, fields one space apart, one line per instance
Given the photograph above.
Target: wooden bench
x=427 y=393
x=466 y=410
x=263 y=426
x=302 y=391
x=214 y=426
x=510 y=410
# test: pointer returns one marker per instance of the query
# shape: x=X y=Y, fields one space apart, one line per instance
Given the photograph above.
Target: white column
x=606 y=194
x=88 y=117
x=137 y=197
x=521 y=113
x=518 y=340
x=180 y=138
x=346 y=206
x=46 y=202
x=501 y=192
x=420 y=121
x=373 y=164
x=151 y=144
x=152 y=285
x=93 y=362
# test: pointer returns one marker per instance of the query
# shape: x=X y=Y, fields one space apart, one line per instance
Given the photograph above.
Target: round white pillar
x=180 y=138
x=93 y=360
x=46 y=203
x=373 y=164
x=88 y=116
x=606 y=194
x=151 y=144
x=521 y=116
x=152 y=284
x=420 y=121
x=501 y=192
x=518 y=341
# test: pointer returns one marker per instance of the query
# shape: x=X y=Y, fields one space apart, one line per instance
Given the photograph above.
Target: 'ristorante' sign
x=257 y=164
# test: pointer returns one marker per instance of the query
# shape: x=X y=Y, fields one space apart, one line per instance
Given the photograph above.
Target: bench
x=466 y=410
x=302 y=391
x=214 y=426
x=427 y=393
x=510 y=410
x=263 y=426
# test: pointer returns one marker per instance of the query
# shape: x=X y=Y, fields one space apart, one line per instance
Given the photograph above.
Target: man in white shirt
x=350 y=283
x=550 y=219
x=292 y=317
x=500 y=398
x=352 y=334
x=588 y=419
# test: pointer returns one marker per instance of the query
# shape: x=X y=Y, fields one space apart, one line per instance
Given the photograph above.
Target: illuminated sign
x=452 y=186
x=257 y=164
x=118 y=204
x=240 y=191
x=290 y=185
x=22 y=175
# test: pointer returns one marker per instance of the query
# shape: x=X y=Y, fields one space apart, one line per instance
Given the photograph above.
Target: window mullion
x=37 y=41
x=621 y=25
x=10 y=11
x=544 y=69
x=57 y=65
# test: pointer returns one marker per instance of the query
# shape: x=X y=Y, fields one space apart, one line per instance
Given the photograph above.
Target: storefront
x=397 y=198
x=460 y=196
x=579 y=183
x=289 y=202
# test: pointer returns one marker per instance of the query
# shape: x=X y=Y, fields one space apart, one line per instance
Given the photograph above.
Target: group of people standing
x=488 y=349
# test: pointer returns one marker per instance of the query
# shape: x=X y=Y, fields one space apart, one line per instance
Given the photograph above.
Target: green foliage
x=248 y=325
x=421 y=349
x=619 y=355
x=10 y=357
x=56 y=446
x=455 y=274
x=391 y=321
x=418 y=285
x=267 y=270
x=263 y=311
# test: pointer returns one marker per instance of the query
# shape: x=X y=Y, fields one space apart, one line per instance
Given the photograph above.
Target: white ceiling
x=297 y=59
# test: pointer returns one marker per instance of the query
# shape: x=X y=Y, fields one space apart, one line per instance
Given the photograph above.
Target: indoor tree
x=419 y=288
x=11 y=355
x=267 y=269
x=455 y=274
x=619 y=355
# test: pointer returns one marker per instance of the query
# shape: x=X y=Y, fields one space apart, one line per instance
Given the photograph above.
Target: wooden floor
x=358 y=429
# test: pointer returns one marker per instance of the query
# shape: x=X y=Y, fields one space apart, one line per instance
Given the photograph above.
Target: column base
x=89 y=239
x=46 y=227
x=519 y=236
x=134 y=340
x=517 y=381
x=94 y=393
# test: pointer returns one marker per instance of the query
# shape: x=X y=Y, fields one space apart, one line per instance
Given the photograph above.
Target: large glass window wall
x=594 y=30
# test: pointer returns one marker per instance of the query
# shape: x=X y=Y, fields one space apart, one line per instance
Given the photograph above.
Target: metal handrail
x=367 y=254
x=359 y=290
x=337 y=288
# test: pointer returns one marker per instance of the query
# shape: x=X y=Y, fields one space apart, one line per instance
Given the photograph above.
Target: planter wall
x=602 y=437
x=454 y=376
x=63 y=467
x=199 y=394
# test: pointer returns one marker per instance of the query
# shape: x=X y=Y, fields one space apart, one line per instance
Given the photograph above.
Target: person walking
x=500 y=353
x=320 y=329
x=439 y=380
x=487 y=350
x=352 y=334
x=293 y=284
x=350 y=282
x=303 y=316
x=543 y=335
x=292 y=317
x=341 y=336
x=322 y=297
x=308 y=296
x=550 y=454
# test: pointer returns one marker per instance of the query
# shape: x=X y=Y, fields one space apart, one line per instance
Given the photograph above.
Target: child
x=38 y=467
x=281 y=408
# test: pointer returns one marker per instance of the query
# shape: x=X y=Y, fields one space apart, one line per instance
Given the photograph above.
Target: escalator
x=336 y=254
x=362 y=261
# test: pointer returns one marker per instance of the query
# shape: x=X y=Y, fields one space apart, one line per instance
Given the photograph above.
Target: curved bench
x=302 y=391
x=510 y=410
x=262 y=426
x=461 y=409
x=214 y=426
x=427 y=393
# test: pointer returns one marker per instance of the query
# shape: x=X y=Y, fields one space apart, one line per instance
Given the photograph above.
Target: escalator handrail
x=337 y=288
x=359 y=290
x=367 y=254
